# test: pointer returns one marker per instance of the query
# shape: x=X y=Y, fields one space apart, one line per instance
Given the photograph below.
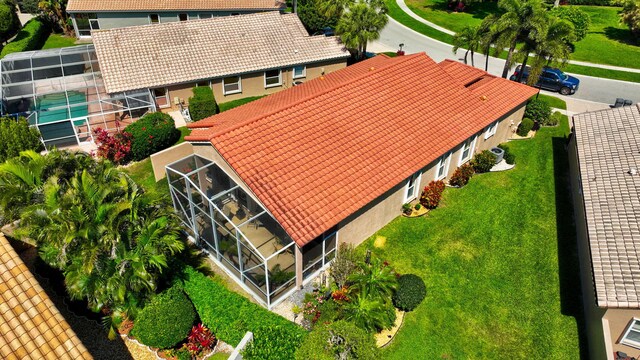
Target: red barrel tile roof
x=316 y=153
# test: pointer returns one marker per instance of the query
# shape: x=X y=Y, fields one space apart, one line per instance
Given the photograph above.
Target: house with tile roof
x=274 y=186
x=31 y=327
x=605 y=162
x=90 y=15
x=237 y=56
x=67 y=93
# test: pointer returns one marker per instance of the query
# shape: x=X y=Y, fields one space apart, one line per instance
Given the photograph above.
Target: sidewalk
x=406 y=9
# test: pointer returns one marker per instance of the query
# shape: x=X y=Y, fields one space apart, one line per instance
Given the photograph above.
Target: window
x=272 y=78
x=631 y=336
x=299 y=71
x=85 y=23
x=231 y=85
x=467 y=150
x=204 y=16
x=443 y=166
x=413 y=184
x=161 y=95
x=154 y=19
x=183 y=17
x=203 y=83
x=491 y=130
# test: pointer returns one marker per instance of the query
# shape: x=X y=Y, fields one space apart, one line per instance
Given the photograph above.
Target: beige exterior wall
x=364 y=223
x=165 y=157
x=616 y=321
x=252 y=84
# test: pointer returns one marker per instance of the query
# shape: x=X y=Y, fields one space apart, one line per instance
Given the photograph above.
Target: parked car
x=550 y=79
x=326 y=31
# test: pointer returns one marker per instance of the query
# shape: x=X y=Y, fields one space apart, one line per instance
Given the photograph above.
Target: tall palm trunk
x=472 y=63
x=507 y=64
x=486 y=61
x=524 y=65
x=466 y=54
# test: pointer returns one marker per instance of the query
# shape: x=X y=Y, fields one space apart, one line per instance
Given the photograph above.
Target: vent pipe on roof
x=633 y=171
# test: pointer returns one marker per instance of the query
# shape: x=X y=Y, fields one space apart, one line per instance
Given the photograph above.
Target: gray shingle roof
x=608 y=146
x=158 y=55
x=168 y=5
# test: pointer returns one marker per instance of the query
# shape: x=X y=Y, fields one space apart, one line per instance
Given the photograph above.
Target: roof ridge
x=311 y=96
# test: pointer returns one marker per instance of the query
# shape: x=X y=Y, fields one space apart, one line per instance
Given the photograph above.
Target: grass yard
x=608 y=41
x=552 y=101
x=438 y=13
x=235 y=103
x=58 y=41
x=500 y=263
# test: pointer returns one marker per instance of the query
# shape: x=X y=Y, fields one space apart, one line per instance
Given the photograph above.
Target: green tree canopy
x=9 y=22
x=630 y=15
x=361 y=23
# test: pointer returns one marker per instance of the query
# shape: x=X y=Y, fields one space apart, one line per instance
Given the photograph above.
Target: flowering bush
x=115 y=148
x=432 y=194
x=310 y=310
x=340 y=295
x=462 y=175
x=200 y=339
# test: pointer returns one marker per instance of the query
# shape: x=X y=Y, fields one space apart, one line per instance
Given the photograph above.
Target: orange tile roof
x=316 y=153
x=169 y=5
x=30 y=325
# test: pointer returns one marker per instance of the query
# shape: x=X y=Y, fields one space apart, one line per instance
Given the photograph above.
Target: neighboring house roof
x=317 y=153
x=30 y=325
x=171 y=5
x=608 y=144
x=158 y=55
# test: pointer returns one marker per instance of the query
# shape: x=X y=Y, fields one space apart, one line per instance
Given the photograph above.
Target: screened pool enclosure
x=61 y=92
x=240 y=235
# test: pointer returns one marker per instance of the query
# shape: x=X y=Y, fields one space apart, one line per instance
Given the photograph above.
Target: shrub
x=31 y=37
x=230 y=316
x=152 y=133
x=538 y=110
x=555 y=118
x=483 y=161
x=17 y=136
x=630 y=15
x=508 y=156
x=345 y=264
x=338 y=340
x=461 y=176
x=166 y=320
x=432 y=193
x=312 y=18
x=411 y=291
x=525 y=126
x=579 y=18
x=202 y=104
x=28 y=6
x=593 y=2
x=9 y=22
x=115 y=148
x=200 y=339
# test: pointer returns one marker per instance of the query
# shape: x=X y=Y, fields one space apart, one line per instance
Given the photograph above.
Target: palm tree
x=360 y=24
x=331 y=8
x=375 y=280
x=469 y=38
x=520 y=18
x=21 y=181
x=57 y=11
x=487 y=37
x=368 y=313
x=553 y=46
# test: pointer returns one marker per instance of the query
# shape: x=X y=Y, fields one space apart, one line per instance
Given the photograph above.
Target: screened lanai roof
x=57 y=85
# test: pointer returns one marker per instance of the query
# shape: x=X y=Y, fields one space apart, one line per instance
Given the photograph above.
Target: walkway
x=409 y=12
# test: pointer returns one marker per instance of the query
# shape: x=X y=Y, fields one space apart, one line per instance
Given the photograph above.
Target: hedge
x=202 y=104
x=17 y=136
x=31 y=37
x=166 y=320
x=483 y=161
x=152 y=133
x=229 y=316
x=411 y=291
x=9 y=22
x=538 y=110
x=525 y=126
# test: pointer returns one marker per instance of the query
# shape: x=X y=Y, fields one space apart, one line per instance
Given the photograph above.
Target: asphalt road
x=591 y=88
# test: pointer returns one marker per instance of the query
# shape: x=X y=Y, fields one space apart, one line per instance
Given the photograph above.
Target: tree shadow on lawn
x=568 y=261
x=621 y=35
x=479 y=10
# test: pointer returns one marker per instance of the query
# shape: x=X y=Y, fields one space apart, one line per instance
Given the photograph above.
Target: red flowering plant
x=310 y=310
x=200 y=339
x=432 y=194
x=340 y=295
x=462 y=175
x=115 y=148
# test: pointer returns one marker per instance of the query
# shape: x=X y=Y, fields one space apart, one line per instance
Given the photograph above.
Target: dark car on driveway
x=550 y=79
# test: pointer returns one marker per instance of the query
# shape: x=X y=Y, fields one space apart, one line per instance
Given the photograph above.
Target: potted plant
x=407 y=209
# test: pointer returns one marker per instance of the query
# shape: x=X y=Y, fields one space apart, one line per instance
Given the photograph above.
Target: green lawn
x=552 y=101
x=438 y=13
x=58 y=41
x=399 y=15
x=608 y=41
x=500 y=263
x=235 y=103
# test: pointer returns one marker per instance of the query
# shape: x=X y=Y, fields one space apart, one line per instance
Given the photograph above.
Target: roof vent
x=633 y=171
x=483 y=98
x=371 y=68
